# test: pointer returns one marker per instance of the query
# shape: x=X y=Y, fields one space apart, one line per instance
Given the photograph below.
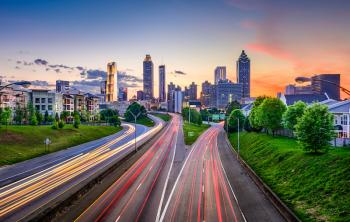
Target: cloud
x=17 y=67
x=92 y=86
x=80 y=68
x=178 y=72
x=57 y=70
x=41 y=62
x=128 y=80
x=94 y=74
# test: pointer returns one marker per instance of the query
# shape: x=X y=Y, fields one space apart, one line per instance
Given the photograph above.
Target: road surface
x=137 y=194
x=61 y=173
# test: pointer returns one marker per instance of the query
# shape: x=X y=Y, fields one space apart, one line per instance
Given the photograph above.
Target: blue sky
x=191 y=36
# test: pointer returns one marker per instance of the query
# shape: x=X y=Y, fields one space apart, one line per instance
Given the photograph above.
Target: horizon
x=58 y=40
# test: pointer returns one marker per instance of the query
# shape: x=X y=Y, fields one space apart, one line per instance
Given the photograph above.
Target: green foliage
x=64 y=115
x=57 y=118
x=293 y=113
x=54 y=125
x=314 y=186
x=108 y=113
x=269 y=114
x=235 y=116
x=33 y=120
x=46 y=116
x=5 y=116
x=315 y=128
x=61 y=124
x=253 y=116
x=232 y=106
x=39 y=116
x=247 y=127
x=19 y=115
x=50 y=119
x=195 y=129
x=195 y=116
x=115 y=121
x=165 y=117
x=204 y=114
x=136 y=109
x=76 y=120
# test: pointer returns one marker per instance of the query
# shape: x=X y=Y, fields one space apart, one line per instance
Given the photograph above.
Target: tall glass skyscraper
x=148 y=78
x=219 y=74
x=162 y=95
x=243 y=74
x=111 y=86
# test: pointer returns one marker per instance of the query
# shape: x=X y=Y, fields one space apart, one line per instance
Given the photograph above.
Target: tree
x=204 y=114
x=115 y=121
x=315 y=128
x=57 y=118
x=54 y=124
x=5 y=116
x=46 y=116
x=33 y=120
x=235 y=116
x=232 y=106
x=76 y=120
x=253 y=119
x=135 y=108
x=19 y=115
x=50 y=119
x=64 y=116
x=39 y=117
x=293 y=113
x=247 y=127
x=195 y=116
x=269 y=114
x=61 y=124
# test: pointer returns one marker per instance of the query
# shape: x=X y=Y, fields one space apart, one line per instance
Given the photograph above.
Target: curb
x=282 y=208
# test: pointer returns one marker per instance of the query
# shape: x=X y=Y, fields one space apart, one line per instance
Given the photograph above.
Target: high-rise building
x=62 y=86
x=111 y=86
x=243 y=74
x=139 y=95
x=226 y=92
x=103 y=86
x=123 y=94
x=205 y=94
x=171 y=87
x=298 y=90
x=327 y=83
x=219 y=74
x=175 y=100
x=192 y=91
x=148 y=78
x=162 y=94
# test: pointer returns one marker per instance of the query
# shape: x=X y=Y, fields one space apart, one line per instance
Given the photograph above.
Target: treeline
x=312 y=125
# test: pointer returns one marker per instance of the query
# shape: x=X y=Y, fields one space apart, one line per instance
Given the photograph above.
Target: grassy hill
x=315 y=187
x=19 y=143
x=196 y=130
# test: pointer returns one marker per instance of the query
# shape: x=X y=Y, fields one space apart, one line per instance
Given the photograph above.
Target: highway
x=62 y=173
x=138 y=193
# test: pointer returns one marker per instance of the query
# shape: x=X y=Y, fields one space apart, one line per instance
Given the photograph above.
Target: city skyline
x=34 y=48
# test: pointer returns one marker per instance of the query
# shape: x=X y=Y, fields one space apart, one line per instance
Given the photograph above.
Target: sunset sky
x=60 y=39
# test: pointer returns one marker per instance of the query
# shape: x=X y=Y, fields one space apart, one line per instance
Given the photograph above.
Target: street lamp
x=25 y=84
x=135 y=117
x=302 y=79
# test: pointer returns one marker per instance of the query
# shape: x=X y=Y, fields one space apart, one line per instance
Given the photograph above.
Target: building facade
x=45 y=100
x=226 y=92
x=171 y=87
x=111 y=82
x=219 y=74
x=205 y=94
x=62 y=86
x=148 y=78
x=243 y=73
x=162 y=82
x=327 y=83
x=123 y=94
x=139 y=95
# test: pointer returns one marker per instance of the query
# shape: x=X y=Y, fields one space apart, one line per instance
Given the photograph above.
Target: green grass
x=20 y=143
x=196 y=129
x=315 y=186
x=146 y=121
x=165 y=117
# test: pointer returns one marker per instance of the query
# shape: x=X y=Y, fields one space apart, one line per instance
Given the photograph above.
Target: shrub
x=61 y=124
x=54 y=125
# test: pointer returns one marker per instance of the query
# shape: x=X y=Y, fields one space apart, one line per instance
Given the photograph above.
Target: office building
x=175 y=102
x=111 y=82
x=298 y=90
x=226 y=92
x=148 y=78
x=205 y=94
x=243 y=73
x=219 y=74
x=327 y=83
x=171 y=87
x=62 y=86
x=123 y=94
x=192 y=91
x=139 y=95
x=162 y=95
x=103 y=86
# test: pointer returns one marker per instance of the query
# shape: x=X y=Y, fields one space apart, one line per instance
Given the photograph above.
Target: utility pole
x=135 y=117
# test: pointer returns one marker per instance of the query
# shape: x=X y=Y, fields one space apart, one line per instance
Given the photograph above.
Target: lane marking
x=138 y=187
x=167 y=178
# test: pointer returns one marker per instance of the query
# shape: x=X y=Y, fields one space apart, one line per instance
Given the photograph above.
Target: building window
x=49 y=100
x=344 y=120
x=43 y=107
x=43 y=100
x=49 y=107
x=37 y=107
x=37 y=100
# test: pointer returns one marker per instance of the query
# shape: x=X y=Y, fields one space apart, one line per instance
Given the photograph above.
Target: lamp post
x=25 y=84
x=135 y=117
x=302 y=79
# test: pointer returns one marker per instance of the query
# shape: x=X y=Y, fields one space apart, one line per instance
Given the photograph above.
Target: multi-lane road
x=33 y=185
x=169 y=182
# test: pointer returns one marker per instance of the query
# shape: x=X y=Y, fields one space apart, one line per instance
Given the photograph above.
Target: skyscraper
x=219 y=74
x=62 y=86
x=243 y=74
x=148 y=78
x=123 y=94
x=162 y=95
x=326 y=83
x=192 y=91
x=110 y=87
x=171 y=87
x=205 y=94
